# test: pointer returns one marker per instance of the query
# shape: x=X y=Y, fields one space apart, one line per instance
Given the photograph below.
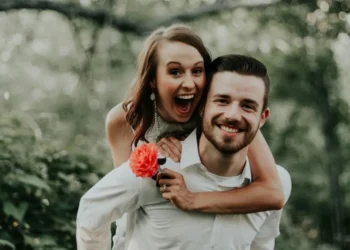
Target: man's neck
x=218 y=163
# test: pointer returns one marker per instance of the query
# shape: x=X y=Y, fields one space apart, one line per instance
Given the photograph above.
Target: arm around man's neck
x=264 y=193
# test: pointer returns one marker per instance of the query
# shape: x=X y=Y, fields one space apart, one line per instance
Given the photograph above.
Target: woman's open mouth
x=184 y=103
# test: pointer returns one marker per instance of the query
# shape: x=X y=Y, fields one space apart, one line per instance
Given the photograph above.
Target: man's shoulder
x=283 y=173
x=146 y=187
x=285 y=180
x=121 y=174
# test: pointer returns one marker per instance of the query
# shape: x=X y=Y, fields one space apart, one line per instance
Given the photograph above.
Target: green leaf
x=29 y=240
x=7 y=243
x=17 y=212
x=47 y=241
x=34 y=181
x=40 y=241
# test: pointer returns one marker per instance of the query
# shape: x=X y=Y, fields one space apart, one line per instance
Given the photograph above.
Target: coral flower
x=144 y=161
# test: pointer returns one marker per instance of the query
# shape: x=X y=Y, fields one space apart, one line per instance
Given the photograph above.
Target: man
x=213 y=158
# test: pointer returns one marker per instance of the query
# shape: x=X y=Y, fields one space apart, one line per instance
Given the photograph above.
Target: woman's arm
x=119 y=135
x=264 y=172
x=264 y=193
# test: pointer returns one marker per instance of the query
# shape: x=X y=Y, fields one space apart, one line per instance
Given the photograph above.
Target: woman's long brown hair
x=138 y=105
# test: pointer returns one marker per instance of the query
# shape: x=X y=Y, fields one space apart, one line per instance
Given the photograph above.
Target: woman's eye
x=197 y=71
x=175 y=72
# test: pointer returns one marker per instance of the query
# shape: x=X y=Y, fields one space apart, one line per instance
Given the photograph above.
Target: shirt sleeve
x=286 y=182
x=114 y=195
x=265 y=239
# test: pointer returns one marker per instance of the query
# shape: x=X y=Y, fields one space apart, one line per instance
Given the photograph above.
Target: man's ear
x=264 y=116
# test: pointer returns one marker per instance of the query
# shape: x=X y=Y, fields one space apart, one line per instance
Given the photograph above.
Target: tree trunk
x=334 y=168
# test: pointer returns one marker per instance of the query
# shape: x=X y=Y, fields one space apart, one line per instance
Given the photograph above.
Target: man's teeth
x=227 y=129
x=185 y=97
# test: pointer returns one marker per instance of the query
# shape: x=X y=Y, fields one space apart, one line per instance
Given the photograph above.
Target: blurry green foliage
x=57 y=85
x=40 y=188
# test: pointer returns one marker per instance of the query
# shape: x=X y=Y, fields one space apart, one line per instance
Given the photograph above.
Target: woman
x=171 y=75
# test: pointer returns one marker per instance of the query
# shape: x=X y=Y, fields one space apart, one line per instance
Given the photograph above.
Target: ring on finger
x=164 y=187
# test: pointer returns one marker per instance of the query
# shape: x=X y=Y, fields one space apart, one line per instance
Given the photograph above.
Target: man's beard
x=229 y=145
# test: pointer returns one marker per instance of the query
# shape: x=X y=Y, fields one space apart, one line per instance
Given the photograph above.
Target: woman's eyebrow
x=174 y=62
x=199 y=62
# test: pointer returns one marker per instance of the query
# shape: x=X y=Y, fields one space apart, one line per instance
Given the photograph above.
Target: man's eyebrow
x=225 y=96
x=250 y=101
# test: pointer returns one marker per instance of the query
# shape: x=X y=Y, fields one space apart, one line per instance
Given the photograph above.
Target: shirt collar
x=240 y=180
x=189 y=154
x=190 y=157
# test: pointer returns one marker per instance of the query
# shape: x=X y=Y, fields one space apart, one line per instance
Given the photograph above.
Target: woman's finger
x=170 y=148
x=177 y=145
x=168 y=182
x=167 y=189
x=161 y=149
x=170 y=174
x=170 y=152
x=167 y=174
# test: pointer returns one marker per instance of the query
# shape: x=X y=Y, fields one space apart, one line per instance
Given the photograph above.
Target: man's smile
x=228 y=129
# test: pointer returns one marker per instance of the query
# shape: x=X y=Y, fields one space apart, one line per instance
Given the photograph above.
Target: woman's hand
x=173 y=188
x=170 y=147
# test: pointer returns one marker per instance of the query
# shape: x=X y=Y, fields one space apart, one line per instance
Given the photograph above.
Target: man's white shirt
x=154 y=223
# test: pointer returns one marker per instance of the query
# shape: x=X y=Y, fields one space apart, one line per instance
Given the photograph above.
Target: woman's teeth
x=184 y=103
x=185 y=97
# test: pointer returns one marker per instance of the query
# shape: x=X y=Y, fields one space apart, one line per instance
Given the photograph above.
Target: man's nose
x=233 y=113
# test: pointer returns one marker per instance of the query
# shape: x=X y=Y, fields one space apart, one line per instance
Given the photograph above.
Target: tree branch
x=103 y=17
x=71 y=10
x=207 y=10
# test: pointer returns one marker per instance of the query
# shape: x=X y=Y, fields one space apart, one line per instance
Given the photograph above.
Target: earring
x=153 y=99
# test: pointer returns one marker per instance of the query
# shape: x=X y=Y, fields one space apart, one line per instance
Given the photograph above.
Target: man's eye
x=250 y=107
x=221 y=101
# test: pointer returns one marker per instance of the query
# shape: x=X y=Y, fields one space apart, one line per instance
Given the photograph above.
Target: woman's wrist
x=193 y=200
x=201 y=202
